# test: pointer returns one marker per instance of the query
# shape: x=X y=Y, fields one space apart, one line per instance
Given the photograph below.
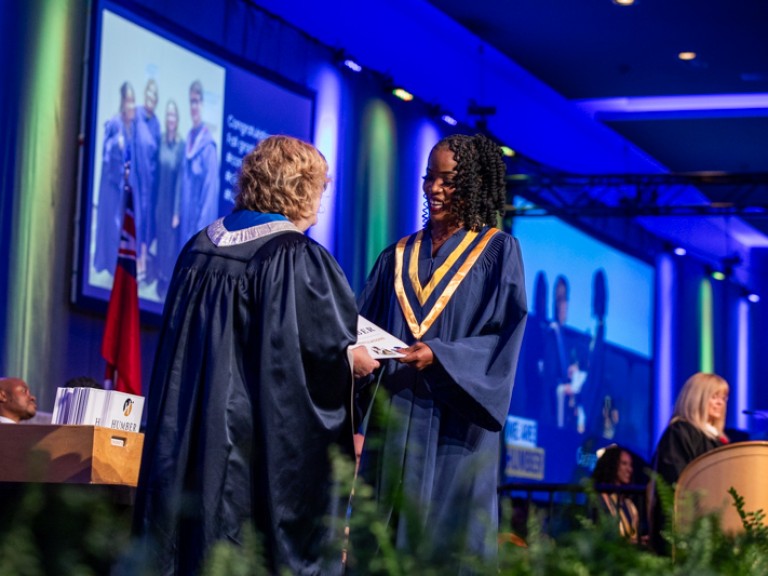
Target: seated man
x=16 y=402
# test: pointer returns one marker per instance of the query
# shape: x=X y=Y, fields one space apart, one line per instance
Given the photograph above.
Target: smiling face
x=128 y=106
x=716 y=406
x=561 y=302
x=624 y=470
x=195 y=108
x=171 y=120
x=439 y=186
x=150 y=98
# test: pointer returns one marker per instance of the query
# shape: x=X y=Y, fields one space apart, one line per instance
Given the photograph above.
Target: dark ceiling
x=595 y=49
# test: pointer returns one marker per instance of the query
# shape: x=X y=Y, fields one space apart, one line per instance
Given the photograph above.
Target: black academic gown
x=679 y=445
x=441 y=442
x=250 y=388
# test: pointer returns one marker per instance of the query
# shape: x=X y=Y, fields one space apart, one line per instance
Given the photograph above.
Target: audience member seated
x=697 y=426
x=16 y=401
x=615 y=468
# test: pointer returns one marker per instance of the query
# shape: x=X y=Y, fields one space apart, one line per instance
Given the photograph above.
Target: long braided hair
x=480 y=179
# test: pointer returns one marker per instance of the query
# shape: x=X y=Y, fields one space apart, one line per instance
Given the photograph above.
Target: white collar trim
x=220 y=236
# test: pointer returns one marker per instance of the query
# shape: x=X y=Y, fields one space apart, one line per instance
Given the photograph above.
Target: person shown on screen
x=251 y=383
x=16 y=401
x=199 y=203
x=561 y=372
x=171 y=159
x=697 y=426
x=146 y=166
x=455 y=292
x=119 y=145
x=615 y=468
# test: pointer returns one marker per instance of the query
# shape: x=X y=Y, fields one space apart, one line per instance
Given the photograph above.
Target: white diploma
x=379 y=343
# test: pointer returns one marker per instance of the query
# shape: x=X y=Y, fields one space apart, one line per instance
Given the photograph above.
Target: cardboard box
x=70 y=454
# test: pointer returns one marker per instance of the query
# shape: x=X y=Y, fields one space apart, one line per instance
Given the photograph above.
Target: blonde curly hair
x=282 y=175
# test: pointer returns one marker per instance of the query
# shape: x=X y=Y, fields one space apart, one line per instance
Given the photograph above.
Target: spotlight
x=507 y=151
x=753 y=297
x=448 y=119
x=403 y=94
x=352 y=65
x=341 y=58
x=680 y=251
x=717 y=275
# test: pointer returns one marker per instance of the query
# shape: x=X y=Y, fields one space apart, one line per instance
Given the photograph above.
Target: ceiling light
x=680 y=251
x=403 y=94
x=623 y=2
x=448 y=119
x=681 y=106
x=687 y=56
x=342 y=58
x=754 y=298
x=717 y=275
x=507 y=151
x=352 y=65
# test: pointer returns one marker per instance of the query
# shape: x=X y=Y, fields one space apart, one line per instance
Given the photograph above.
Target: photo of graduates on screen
x=174 y=178
x=158 y=109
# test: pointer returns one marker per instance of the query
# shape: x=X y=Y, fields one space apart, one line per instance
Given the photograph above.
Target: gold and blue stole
x=419 y=307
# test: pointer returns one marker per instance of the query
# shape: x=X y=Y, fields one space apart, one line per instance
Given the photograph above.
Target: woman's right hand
x=419 y=356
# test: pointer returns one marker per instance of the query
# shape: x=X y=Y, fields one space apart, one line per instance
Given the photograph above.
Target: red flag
x=120 y=346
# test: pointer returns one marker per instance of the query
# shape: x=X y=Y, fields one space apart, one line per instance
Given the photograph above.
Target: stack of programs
x=95 y=407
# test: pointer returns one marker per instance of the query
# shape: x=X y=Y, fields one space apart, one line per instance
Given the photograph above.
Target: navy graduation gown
x=170 y=162
x=442 y=434
x=199 y=195
x=119 y=145
x=250 y=387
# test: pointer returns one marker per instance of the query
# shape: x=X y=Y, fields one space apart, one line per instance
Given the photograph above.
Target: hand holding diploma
x=362 y=363
x=379 y=343
x=419 y=356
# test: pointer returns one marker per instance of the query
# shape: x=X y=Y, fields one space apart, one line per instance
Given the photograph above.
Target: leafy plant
x=754 y=522
x=81 y=531
x=226 y=559
x=61 y=529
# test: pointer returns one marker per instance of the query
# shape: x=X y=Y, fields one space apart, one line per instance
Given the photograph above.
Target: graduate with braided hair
x=455 y=292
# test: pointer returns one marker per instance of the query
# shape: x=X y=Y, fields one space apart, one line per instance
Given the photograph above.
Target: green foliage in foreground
x=61 y=529
x=592 y=548
x=596 y=549
x=74 y=530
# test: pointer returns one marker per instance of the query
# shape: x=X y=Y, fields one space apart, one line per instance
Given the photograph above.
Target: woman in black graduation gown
x=251 y=384
x=697 y=426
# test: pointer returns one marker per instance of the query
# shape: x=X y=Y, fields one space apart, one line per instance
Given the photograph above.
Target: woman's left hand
x=419 y=356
